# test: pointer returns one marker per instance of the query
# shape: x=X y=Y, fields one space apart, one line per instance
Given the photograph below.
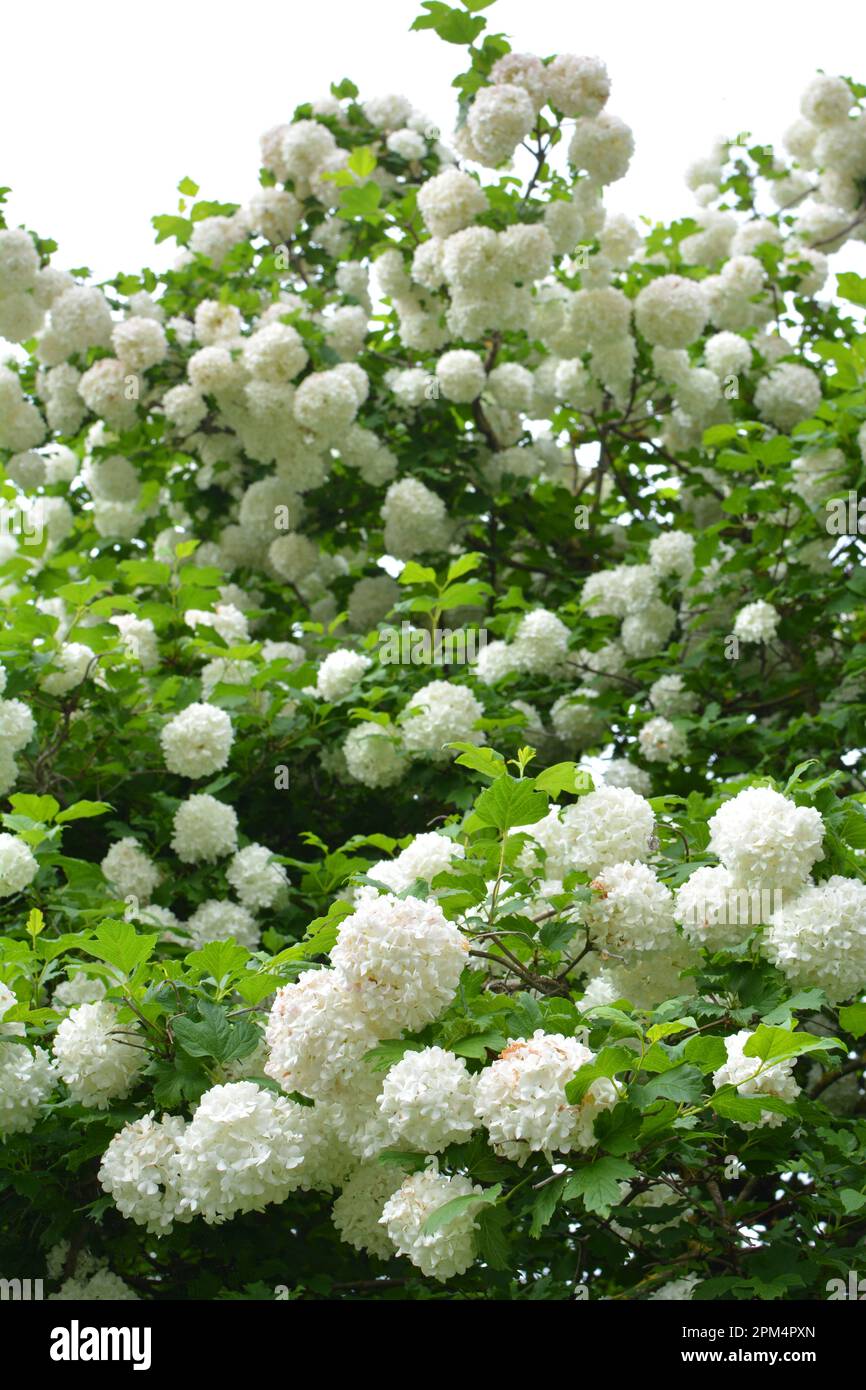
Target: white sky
x=106 y=106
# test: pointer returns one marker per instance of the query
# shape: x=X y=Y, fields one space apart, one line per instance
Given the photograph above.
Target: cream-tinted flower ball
x=818 y=937
x=316 y=1034
x=401 y=960
x=259 y=881
x=18 y=865
x=449 y=1250
x=671 y=311
x=357 y=1212
x=520 y=1099
x=98 y=1057
x=754 y=1078
x=197 y=741
x=140 y=1169
x=205 y=830
x=765 y=839
x=128 y=870
x=428 y=1100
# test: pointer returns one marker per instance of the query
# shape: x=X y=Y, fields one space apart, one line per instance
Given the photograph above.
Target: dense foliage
x=431 y=720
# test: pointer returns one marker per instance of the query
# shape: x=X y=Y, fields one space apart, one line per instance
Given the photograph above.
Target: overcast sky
x=106 y=106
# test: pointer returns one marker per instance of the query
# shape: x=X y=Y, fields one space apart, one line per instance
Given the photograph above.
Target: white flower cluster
x=754 y=1078
x=26 y=1078
x=520 y=1098
x=197 y=741
x=18 y=865
x=448 y=1250
x=98 y=1057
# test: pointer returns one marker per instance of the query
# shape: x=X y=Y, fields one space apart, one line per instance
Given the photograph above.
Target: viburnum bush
x=432 y=860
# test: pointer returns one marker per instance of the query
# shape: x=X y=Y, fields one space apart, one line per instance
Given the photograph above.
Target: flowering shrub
x=526 y=959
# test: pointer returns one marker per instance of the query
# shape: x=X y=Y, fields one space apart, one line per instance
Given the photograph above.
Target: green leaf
x=220 y=959
x=851 y=1200
x=545 y=1205
x=852 y=287
x=215 y=1035
x=609 y=1062
x=38 y=808
x=484 y=760
x=119 y=944
x=747 y=1109
x=463 y=565
x=708 y=1053
x=508 y=803
x=83 y=810
x=618 y=1130
x=598 y=1183
x=188 y=187
x=492 y=1240
x=681 y=1083
x=564 y=777
x=456 y=1207
x=386 y=1055
x=852 y=1019
x=413 y=573
x=776 y=1044
x=362 y=161
x=454 y=26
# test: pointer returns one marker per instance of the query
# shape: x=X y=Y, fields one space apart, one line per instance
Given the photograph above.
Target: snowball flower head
x=499 y=118
x=74 y=662
x=316 y=1034
x=242 y=1150
x=140 y=1170
x=608 y=826
x=450 y=201
x=197 y=741
x=660 y=741
x=94 y=1055
x=521 y=1100
x=461 y=375
x=401 y=960
x=577 y=86
x=18 y=866
x=754 y=1078
x=715 y=912
x=451 y=1249
x=373 y=757
x=218 y=920
x=128 y=870
x=540 y=642
x=26 y=1082
x=415 y=520
x=788 y=394
x=339 y=673
x=205 y=830
x=757 y=622
x=428 y=1100
x=766 y=840
x=671 y=311
x=818 y=937
x=357 y=1212
x=447 y=714
x=602 y=145
x=256 y=877
x=632 y=910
